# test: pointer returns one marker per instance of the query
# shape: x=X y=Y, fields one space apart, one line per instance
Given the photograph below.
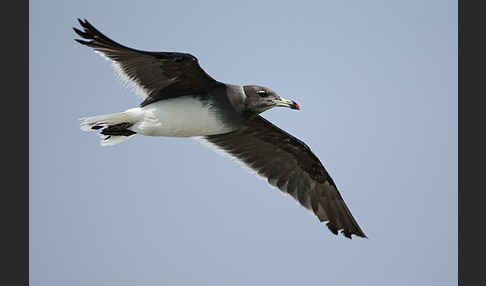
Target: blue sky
x=377 y=84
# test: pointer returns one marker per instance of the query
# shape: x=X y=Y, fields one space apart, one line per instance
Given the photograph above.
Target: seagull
x=182 y=100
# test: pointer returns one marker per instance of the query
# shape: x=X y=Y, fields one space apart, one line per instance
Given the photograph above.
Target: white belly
x=177 y=117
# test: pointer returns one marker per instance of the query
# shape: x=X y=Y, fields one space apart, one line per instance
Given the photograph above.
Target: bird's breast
x=184 y=116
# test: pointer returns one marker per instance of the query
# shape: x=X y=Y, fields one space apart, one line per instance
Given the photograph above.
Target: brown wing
x=290 y=165
x=160 y=75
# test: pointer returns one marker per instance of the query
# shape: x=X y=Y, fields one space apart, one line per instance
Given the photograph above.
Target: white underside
x=178 y=117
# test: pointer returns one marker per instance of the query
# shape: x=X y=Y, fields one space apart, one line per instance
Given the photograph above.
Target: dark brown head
x=260 y=99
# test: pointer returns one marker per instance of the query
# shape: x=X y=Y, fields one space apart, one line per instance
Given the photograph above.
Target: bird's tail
x=114 y=128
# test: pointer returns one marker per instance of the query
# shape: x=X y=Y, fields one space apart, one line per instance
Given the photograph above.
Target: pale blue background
x=377 y=82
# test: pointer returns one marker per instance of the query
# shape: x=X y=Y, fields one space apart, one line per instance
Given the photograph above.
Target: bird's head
x=260 y=99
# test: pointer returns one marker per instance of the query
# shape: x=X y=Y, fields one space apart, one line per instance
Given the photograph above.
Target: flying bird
x=182 y=100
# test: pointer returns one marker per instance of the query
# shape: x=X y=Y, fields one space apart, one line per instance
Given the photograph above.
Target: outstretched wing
x=160 y=75
x=290 y=165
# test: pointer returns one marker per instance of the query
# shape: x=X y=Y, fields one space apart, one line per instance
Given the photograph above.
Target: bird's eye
x=262 y=93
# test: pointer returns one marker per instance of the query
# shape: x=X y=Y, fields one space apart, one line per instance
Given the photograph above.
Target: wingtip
x=360 y=234
x=78 y=31
x=86 y=43
x=87 y=24
x=348 y=234
x=332 y=228
x=84 y=23
x=85 y=33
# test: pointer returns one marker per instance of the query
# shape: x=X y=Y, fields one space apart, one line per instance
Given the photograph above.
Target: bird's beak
x=287 y=103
